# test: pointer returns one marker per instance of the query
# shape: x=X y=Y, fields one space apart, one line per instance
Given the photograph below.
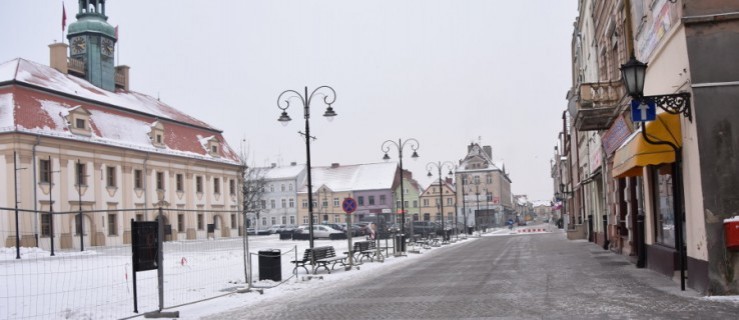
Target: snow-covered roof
x=41 y=103
x=360 y=177
x=539 y=203
x=280 y=173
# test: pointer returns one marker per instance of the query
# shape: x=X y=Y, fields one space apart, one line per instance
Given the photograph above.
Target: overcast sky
x=446 y=73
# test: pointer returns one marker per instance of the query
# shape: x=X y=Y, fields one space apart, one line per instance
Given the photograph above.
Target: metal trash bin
x=399 y=243
x=270 y=265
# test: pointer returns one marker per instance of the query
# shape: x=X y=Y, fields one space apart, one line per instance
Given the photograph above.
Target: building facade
x=79 y=144
x=484 y=194
x=664 y=206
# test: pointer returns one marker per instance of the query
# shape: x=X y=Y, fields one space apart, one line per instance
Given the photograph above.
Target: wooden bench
x=319 y=257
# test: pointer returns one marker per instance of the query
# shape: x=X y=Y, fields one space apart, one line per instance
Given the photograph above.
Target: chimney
x=489 y=151
x=121 y=77
x=58 y=57
x=335 y=165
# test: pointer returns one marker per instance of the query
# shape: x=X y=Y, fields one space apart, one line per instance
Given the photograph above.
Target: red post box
x=731 y=233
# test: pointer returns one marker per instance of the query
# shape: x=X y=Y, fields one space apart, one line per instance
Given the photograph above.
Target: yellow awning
x=636 y=152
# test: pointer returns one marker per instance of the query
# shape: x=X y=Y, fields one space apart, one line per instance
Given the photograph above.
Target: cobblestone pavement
x=537 y=276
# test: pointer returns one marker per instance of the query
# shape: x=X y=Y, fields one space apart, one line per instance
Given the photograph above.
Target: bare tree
x=252 y=190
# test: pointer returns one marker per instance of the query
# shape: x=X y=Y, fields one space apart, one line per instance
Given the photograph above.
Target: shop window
x=664 y=211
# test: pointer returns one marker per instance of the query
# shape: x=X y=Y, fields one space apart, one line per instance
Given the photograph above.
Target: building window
x=159 y=139
x=180 y=223
x=664 y=211
x=45 y=224
x=160 y=180
x=274 y=220
x=81 y=176
x=232 y=186
x=264 y=221
x=272 y=204
x=199 y=184
x=305 y=219
x=382 y=199
x=426 y=217
x=397 y=204
x=360 y=200
x=79 y=123
x=271 y=188
x=283 y=203
x=214 y=149
x=425 y=202
x=200 y=221
x=139 y=217
x=337 y=218
x=264 y=204
x=282 y=187
x=290 y=187
x=112 y=224
x=45 y=171
x=415 y=203
x=284 y=220
x=489 y=196
x=477 y=179
x=138 y=179
x=233 y=221
x=305 y=203
x=489 y=179
x=292 y=203
x=292 y=219
x=324 y=203
x=78 y=224
x=216 y=185
x=371 y=200
x=110 y=182
x=336 y=202
x=449 y=201
x=179 y=182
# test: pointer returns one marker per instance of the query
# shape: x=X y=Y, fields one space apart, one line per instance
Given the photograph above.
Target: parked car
x=336 y=226
x=276 y=228
x=320 y=231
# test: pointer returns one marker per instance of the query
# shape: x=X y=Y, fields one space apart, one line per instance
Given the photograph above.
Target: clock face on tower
x=106 y=47
x=78 y=45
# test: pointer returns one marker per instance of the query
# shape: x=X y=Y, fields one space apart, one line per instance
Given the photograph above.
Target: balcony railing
x=597 y=105
x=76 y=66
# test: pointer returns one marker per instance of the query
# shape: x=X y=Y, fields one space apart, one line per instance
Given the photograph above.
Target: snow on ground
x=201 y=278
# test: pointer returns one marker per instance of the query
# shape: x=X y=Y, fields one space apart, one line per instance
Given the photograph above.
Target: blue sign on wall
x=643 y=110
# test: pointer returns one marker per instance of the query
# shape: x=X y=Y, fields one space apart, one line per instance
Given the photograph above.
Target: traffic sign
x=643 y=110
x=349 y=205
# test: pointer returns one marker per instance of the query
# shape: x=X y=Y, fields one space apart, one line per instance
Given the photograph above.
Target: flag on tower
x=64 y=17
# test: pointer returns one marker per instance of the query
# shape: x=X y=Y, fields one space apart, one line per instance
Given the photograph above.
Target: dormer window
x=78 y=121
x=156 y=135
x=212 y=146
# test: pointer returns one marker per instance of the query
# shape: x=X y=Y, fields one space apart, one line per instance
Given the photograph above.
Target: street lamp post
x=385 y=147
x=17 y=222
x=80 y=176
x=51 y=208
x=439 y=165
x=633 y=73
x=283 y=102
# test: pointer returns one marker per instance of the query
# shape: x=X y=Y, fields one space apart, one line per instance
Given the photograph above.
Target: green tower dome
x=91 y=22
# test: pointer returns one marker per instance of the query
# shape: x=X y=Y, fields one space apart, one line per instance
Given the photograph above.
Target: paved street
x=537 y=276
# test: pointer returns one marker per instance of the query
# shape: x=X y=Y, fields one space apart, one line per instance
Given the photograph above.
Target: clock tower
x=92 y=41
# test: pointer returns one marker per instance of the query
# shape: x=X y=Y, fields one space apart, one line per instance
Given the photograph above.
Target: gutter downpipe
x=35 y=190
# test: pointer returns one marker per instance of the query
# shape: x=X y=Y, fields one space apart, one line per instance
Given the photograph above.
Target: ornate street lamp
x=385 y=147
x=439 y=165
x=633 y=73
x=283 y=102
